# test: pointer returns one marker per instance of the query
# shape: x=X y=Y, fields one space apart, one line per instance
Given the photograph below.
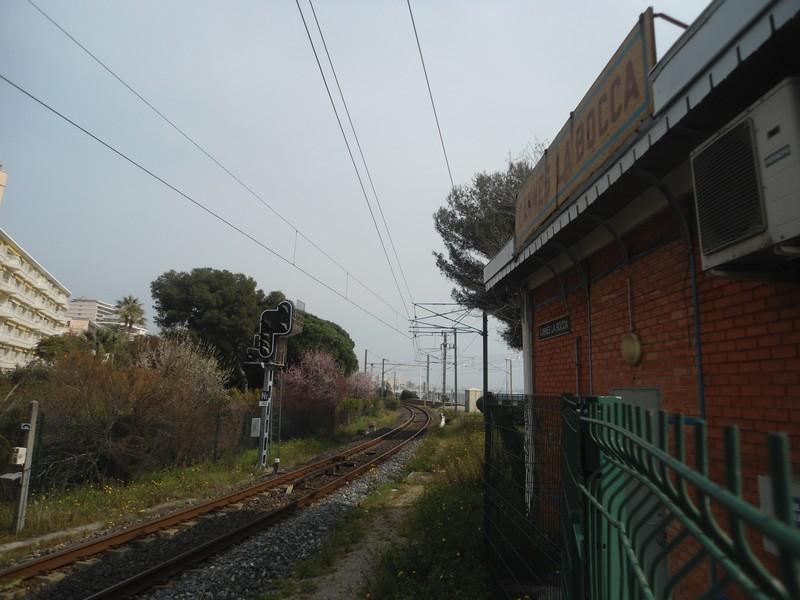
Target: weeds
x=444 y=556
x=114 y=502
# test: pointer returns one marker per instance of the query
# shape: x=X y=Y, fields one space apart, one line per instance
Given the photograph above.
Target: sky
x=240 y=78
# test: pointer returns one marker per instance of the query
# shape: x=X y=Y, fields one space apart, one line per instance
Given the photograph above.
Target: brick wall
x=750 y=340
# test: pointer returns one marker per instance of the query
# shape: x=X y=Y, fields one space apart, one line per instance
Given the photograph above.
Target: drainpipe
x=698 y=345
x=577 y=365
x=589 y=326
x=687 y=239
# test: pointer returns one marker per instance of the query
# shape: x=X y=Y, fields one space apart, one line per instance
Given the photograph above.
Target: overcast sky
x=241 y=79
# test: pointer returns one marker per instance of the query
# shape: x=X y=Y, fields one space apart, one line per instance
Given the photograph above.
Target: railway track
x=158 y=550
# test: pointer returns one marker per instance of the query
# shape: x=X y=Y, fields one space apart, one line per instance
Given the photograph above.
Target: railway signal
x=274 y=323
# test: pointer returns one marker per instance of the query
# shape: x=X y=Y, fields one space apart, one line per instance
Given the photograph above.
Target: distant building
x=81 y=326
x=3 y=178
x=96 y=313
x=89 y=309
x=33 y=303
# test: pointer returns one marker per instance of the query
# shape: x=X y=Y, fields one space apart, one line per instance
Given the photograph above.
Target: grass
x=444 y=556
x=114 y=502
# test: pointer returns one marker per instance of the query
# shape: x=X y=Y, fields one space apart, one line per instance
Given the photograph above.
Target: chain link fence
x=522 y=493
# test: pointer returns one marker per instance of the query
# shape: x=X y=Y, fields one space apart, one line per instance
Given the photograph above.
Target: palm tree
x=104 y=340
x=130 y=312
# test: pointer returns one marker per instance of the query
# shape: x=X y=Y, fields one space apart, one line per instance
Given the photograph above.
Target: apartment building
x=33 y=304
x=89 y=309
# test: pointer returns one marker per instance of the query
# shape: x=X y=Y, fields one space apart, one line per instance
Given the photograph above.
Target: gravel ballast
x=250 y=569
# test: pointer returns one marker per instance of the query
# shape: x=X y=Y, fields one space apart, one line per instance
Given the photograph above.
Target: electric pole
x=427 y=378
x=485 y=362
x=383 y=377
x=365 y=360
x=444 y=368
x=455 y=367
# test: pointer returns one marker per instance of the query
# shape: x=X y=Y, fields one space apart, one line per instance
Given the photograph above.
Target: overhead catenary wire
x=210 y=156
x=430 y=95
x=198 y=204
x=361 y=153
x=352 y=157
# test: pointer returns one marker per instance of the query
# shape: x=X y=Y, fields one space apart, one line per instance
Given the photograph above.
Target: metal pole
x=383 y=377
x=444 y=368
x=265 y=401
x=578 y=365
x=455 y=367
x=25 y=481
x=487 y=431
x=427 y=378
x=394 y=387
x=510 y=376
x=485 y=356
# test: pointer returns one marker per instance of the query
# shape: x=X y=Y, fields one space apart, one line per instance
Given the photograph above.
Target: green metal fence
x=639 y=522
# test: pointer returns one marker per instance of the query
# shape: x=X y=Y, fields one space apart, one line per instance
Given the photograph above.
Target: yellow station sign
x=611 y=111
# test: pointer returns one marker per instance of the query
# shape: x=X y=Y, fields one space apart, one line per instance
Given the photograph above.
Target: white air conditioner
x=747 y=187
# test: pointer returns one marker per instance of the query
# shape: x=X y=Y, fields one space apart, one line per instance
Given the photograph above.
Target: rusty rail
x=68 y=556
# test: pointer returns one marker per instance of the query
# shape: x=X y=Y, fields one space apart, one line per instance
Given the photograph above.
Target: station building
x=657 y=241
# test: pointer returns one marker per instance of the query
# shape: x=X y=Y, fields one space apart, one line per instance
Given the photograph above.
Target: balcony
x=20 y=340
x=11 y=313
x=7 y=286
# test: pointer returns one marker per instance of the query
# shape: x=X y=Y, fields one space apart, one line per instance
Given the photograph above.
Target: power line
x=430 y=94
x=352 y=158
x=211 y=157
x=361 y=152
x=196 y=203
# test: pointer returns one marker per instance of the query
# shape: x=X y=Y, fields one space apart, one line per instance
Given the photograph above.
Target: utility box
x=18 y=455
x=471 y=396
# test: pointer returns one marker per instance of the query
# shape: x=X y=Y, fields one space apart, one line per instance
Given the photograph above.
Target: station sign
x=554 y=328
x=607 y=116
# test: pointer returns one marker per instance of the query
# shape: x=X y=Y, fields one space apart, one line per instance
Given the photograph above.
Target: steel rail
x=68 y=556
x=176 y=565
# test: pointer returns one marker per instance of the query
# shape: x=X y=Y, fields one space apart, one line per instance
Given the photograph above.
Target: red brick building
x=662 y=265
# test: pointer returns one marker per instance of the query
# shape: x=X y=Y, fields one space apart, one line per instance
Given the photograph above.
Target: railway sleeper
x=50 y=578
x=144 y=541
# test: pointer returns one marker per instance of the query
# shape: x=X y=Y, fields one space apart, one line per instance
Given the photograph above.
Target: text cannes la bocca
x=618 y=101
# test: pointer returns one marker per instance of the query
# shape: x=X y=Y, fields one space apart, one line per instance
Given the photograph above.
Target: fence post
x=487 y=457
x=25 y=481
x=572 y=509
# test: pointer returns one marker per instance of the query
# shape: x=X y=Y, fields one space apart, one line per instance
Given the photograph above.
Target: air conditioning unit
x=747 y=187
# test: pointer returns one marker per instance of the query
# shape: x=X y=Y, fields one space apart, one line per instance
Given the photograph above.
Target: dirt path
x=351 y=570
